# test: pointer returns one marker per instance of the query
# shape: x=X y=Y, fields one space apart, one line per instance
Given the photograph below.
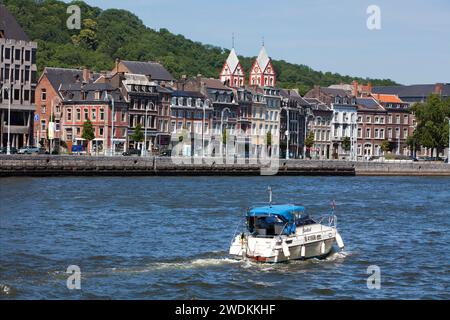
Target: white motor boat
x=279 y=233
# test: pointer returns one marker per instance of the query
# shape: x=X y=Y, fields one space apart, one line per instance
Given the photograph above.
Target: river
x=168 y=237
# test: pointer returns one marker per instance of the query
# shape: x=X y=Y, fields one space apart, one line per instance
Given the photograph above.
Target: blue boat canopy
x=284 y=211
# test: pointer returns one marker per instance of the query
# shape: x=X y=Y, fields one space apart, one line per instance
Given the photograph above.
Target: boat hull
x=317 y=242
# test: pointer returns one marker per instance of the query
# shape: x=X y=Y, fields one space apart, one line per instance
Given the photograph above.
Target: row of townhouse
x=233 y=112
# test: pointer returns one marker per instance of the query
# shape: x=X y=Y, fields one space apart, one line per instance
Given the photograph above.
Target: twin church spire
x=262 y=72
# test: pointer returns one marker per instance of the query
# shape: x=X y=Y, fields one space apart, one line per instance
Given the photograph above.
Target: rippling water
x=167 y=238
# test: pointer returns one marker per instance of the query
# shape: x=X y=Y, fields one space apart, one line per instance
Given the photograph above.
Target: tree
x=138 y=135
x=88 y=36
x=386 y=146
x=432 y=126
x=346 y=144
x=269 y=138
x=309 y=141
x=413 y=142
x=88 y=133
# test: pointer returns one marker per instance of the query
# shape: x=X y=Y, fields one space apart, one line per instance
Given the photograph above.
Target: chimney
x=355 y=88
x=438 y=88
x=369 y=87
x=86 y=75
x=317 y=91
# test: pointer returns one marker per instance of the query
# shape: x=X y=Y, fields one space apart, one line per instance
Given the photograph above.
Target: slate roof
x=317 y=104
x=192 y=94
x=334 y=92
x=369 y=104
x=215 y=84
x=413 y=92
x=62 y=76
x=10 y=26
x=294 y=95
x=154 y=70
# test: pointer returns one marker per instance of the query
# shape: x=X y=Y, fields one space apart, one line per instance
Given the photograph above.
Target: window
x=69 y=114
x=44 y=109
x=405 y=133
x=26 y=95
x=359 y=133
x=382 y=120
x=102 y=114
x=7 y=53
x=405 y=119
x=377 y=120
x=368 y=119
x=17 y=55
x=359 y=119
x=94 y=114
x=368 y=133
x=390 y=133
x=43 y=94
x=397 y=118
x=78 y=130
x=124 y=117
x=100 y=131
x=17 y=94
x=27 y=55
x=79 y=114
x=381 y=133
x=377 y=131
x=86 y=114
x=43 y=127
x=390 y=118
x=57 y=125
x=397 y=132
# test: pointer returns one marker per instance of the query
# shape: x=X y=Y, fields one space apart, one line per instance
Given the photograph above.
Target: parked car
x=30 y=150
x=132 y=152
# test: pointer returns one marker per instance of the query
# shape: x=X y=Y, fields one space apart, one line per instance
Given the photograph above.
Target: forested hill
x=112 y=33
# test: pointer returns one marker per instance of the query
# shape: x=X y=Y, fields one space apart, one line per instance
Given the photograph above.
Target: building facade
x=82 y=102
x=320 y=125
x=18 y=80
x=372 y=119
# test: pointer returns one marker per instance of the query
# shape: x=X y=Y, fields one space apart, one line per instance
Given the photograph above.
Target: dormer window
x=174 y=101
x=189 y=102
x=180 y=101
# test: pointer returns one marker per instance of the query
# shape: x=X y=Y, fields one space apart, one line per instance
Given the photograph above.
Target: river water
x=168 y=237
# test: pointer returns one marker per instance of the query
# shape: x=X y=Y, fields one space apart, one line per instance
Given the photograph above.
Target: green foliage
x=87 y=38
x=386 y=146
x=346 y=144
x=110 y=34
x=269 y=138
x=309 y=141
x=88 y=131
x=138 y=135
x=432 y=125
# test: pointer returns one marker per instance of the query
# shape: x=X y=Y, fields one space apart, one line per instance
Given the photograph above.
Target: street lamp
x=108 y=98
x=51 y=124
x=205 y=105
x=8 y=145
x=145 y=129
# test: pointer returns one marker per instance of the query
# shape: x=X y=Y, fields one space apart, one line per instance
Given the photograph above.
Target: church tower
x=232 y=73
x=262 y=72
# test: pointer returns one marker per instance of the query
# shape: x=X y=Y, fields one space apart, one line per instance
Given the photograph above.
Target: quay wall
x=46 y=165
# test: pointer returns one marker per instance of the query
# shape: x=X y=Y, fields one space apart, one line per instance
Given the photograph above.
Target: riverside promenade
x=46 y=165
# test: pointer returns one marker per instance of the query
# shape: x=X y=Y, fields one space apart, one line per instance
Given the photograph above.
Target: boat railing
x=331 y=220
x=236 y=231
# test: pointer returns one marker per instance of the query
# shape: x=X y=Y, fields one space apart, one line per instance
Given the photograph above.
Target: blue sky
x=413 y=45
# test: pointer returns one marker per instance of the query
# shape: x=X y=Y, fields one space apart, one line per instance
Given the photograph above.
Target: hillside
x=107 y=34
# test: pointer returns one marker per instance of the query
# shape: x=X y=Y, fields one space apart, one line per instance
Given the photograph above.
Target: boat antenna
x=269 y=189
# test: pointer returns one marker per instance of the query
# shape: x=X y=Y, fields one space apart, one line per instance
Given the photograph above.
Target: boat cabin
x=276 y=220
